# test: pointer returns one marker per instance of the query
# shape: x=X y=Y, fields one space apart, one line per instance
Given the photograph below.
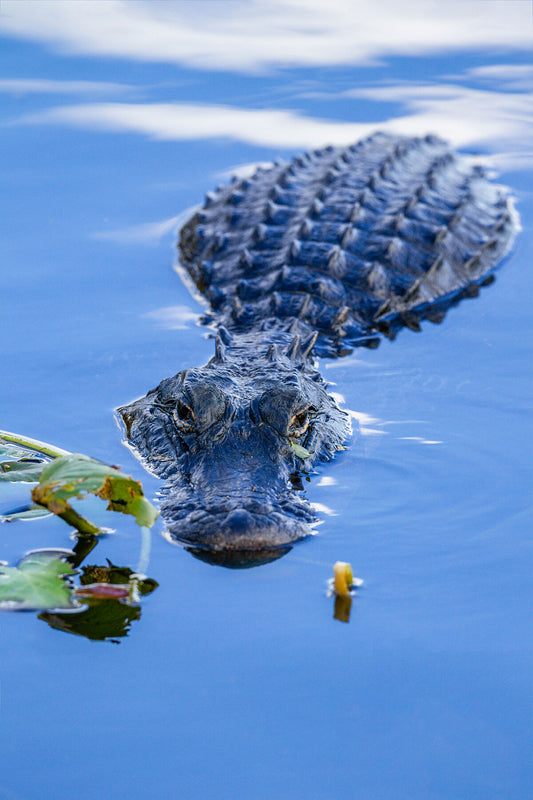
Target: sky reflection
x=23 y=86
x=427 y=693
x=464 y=115
x=488 y=106
x=253 y=37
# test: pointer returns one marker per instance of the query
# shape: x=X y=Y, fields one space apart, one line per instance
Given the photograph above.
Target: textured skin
x=351 y=241
x=221 y=437
x=320 y=254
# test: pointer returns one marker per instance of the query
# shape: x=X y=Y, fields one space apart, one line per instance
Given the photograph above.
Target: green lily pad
x=11 y=451
x=76 y=475
x=68 y=476
x=22 y=463
x=24 y=470
x=38 y=582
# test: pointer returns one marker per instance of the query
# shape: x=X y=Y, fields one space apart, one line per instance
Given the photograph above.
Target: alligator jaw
x=240 y=529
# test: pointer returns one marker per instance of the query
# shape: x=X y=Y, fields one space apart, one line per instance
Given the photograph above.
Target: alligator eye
x=299 y=423
x=301 y=418
x=183 y=415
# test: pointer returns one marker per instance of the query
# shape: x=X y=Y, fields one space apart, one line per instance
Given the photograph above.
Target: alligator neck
x=271 y=343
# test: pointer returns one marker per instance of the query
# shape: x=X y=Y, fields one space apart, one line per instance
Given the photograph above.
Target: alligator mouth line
x=243 y=528
x=223 y=542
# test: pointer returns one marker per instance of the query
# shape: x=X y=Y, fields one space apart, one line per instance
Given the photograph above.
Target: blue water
x=241 y=684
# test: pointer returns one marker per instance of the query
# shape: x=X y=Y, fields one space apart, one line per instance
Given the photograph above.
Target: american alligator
x=307 y=258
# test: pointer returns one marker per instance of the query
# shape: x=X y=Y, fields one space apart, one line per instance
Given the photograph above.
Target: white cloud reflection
x=254 y=36
x=182 y=121
x=499 y=121
x=21 y=86
x=465 y=116
x=266 y=34
x=504 y=71
x=148 y=233
x=174 y=318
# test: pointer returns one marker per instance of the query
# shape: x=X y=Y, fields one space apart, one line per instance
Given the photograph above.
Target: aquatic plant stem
x=34 y=444
x=144 y=556
x=81 y=524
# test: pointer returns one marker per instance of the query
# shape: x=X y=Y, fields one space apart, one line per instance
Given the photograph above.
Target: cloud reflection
x=174 y=318
x=182 y=121
x=148 y=233
x=464 y=115
x=511 y=76
x=243 y=36
x=21 y=86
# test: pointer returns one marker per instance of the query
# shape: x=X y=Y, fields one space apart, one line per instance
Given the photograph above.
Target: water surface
x=241 y=683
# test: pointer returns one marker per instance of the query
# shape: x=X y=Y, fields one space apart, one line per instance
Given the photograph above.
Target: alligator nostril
x=239 y=521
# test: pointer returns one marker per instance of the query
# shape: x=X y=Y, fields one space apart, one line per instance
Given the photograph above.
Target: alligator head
x=231 y=440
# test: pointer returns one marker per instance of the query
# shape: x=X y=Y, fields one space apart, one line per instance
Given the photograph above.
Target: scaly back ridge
x=348 y=241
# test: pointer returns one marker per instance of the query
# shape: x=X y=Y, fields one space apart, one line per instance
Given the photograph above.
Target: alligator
x=304 y=259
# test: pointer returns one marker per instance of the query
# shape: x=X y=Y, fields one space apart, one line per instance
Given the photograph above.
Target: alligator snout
x=237 y=494
x=240 y=529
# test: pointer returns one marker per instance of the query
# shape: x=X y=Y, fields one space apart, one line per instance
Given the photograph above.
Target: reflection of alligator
x=320 y=254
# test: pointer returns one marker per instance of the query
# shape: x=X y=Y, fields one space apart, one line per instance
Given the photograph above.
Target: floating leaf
x=69 y=476
x=76 y=475
x=25 y=470
x=27 y=512
x=8 y=450
x=300 y=451
x=37 y=582
x=94 y=573
x=24 y=463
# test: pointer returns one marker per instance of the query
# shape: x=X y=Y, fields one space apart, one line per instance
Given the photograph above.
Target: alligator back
x=350 y=241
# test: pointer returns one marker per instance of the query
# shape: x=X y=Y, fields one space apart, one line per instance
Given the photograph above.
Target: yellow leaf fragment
x=343 y=578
